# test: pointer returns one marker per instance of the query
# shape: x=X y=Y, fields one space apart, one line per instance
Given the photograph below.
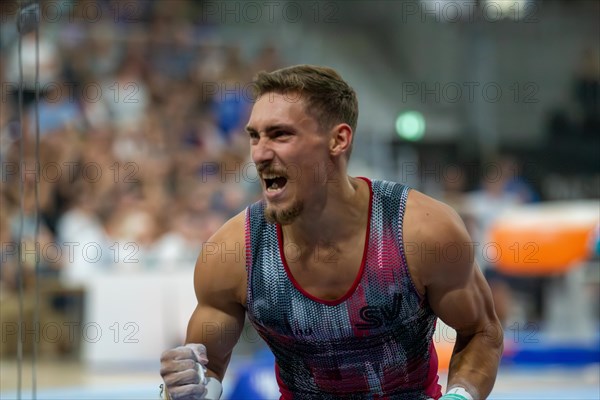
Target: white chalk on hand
x=214 y=389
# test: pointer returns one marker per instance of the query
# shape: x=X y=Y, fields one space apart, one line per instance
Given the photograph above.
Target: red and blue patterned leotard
x=373 y=343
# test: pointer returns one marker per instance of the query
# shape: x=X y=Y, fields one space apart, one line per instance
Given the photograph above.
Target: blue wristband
x=453 y=396
x=457 y=393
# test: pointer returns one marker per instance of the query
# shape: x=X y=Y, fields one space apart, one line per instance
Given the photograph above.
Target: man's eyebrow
x=272 y=128
x=280 y=127
x=250 y=129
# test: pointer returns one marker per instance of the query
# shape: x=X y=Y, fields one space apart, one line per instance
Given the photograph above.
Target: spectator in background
x=454 y=185
x=133 y=227
x=514 y=182
x=178 y=248
x=126 y=93
x=24 y=226
x=81 y=226
x=501 y=188
x=58 y=108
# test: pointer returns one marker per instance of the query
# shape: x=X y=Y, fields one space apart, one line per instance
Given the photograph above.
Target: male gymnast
x=342 y=277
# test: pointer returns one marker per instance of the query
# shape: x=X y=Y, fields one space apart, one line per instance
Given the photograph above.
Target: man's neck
x=341 y=216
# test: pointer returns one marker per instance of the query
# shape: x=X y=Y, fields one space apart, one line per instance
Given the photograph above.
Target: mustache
x=265 y=168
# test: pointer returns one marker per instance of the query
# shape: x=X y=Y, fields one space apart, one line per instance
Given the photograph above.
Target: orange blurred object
x=543 y=239
x=444 y=339
x=444 y=353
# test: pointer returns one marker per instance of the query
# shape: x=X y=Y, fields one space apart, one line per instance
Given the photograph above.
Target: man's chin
x=284 y=216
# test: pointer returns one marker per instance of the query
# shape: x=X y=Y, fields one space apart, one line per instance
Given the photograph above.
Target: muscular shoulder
x=428 y=219
x=437 y=243
x=220 y=269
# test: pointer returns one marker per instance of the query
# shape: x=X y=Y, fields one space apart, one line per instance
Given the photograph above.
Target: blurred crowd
x=142 y=149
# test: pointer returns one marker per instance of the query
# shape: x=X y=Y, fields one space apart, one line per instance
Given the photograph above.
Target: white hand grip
x=214 y=389
x=202 y=373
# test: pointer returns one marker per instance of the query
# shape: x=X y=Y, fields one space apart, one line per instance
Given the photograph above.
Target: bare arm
x=479 y=340
x=458 y=294
x=220 y=283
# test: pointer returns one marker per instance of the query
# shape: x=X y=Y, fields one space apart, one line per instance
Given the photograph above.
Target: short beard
x=284 y=217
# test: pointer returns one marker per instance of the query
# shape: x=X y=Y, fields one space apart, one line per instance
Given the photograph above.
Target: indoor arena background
x=490 y=106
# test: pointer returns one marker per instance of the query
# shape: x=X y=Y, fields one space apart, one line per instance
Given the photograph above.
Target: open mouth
x=274 y=183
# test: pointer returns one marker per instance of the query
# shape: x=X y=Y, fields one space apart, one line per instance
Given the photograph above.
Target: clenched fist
x=180 y=370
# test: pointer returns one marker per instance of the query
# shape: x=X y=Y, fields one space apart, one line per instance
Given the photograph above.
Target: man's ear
x=341 y=139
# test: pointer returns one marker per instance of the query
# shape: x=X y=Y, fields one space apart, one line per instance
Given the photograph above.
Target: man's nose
x=262 y=153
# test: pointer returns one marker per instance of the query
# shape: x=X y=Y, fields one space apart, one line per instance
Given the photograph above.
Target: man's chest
x=326 y=272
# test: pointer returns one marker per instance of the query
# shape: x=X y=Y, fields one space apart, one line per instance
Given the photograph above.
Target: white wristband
x=214 y=389
x=458 y=391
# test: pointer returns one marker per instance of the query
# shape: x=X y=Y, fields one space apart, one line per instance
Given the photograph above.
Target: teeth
x=270 y=176
x=273 y=188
